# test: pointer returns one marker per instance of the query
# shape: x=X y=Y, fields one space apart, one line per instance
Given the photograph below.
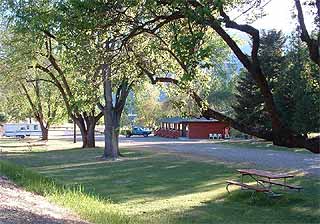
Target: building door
x=184 y=130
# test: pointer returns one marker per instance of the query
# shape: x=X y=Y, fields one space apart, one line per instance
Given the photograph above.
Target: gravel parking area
x=264 y=158
x=18 y=206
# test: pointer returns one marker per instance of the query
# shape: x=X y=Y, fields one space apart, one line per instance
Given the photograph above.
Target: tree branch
x=33 y=106
x=313 y=45
x=56 y=83
x=254 y=33
x=210 y=113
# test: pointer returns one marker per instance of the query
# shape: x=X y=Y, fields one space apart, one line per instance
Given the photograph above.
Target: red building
x=195 y=128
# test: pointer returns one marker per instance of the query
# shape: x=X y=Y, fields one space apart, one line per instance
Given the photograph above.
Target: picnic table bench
x=245 y=186
x=290 y=186
x=264 y=181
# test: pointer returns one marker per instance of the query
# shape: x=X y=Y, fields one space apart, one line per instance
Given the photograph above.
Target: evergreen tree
x=290 y=75
x=298 y=92
x=250 y=108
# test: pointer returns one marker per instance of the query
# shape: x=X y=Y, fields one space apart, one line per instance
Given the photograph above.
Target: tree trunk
x=313 y=44
x=45 y=133
x=116 y=132
x=279 y=136
x=112 y=112
x=83 y=133
x=110 y=147
x=87 y=130
x=115 y=145
x=108 y=136
x=290 y=140
x=44 y=128
x=91 y=143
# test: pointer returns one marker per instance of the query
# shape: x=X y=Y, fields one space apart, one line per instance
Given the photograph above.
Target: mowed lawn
x=149 y=187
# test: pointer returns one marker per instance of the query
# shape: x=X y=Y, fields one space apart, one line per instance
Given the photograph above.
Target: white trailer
x=22 y=130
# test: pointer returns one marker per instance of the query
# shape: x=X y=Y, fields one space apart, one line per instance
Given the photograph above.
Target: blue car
x=138 y=131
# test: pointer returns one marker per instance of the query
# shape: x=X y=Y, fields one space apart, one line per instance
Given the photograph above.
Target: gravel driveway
x=265 y=158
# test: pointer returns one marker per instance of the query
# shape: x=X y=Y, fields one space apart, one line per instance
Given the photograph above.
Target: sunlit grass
x=145 y=187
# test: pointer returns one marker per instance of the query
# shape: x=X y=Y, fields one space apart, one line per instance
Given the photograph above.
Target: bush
x=124 y=131
x=237 y=134
x=3 y=117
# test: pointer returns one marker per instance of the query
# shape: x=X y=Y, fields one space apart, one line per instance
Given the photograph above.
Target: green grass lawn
x=148 y=187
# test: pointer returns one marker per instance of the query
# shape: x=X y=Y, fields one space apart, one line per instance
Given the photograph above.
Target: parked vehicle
x=22 y=130
x=138 y=131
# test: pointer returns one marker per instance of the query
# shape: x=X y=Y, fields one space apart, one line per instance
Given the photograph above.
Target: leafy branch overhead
x=96 y=53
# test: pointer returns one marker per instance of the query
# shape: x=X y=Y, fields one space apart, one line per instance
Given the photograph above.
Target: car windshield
x=140 y=129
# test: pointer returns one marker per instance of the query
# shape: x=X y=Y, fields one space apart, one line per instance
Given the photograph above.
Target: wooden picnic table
x=265 y=174
x=264 y=179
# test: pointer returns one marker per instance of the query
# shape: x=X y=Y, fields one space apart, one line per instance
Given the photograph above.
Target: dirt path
x=18 y=206
x=265 y=158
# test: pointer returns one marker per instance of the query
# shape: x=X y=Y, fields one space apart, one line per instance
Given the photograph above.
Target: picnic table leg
x=227 y=187
x=270 y=185
x=29 y=146
x=252 y=195
x=242 y=180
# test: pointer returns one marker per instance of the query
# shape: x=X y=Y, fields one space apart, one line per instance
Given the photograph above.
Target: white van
x=22 y=130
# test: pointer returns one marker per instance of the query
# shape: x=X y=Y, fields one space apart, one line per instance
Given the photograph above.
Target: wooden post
x=74 y=132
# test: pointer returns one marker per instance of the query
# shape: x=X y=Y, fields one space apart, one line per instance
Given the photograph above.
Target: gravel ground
x=18 y=206
x=265 y=158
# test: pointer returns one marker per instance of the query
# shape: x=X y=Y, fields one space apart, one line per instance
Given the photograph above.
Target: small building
x=193 y=128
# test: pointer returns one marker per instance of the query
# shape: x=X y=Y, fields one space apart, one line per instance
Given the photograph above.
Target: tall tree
x=249 y=107
x=102 y=56
x=148 y=105
x=30 y=40
x=39 y=99
x=79 y=64
x=45 y=104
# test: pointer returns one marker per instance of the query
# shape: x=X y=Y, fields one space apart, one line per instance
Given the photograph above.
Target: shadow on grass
x=145 y=179
x=239 y=207
x=138 y=176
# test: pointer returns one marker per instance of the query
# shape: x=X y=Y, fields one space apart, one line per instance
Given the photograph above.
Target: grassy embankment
x=148 y=187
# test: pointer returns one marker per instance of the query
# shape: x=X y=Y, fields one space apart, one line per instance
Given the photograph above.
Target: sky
x=279 y=16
